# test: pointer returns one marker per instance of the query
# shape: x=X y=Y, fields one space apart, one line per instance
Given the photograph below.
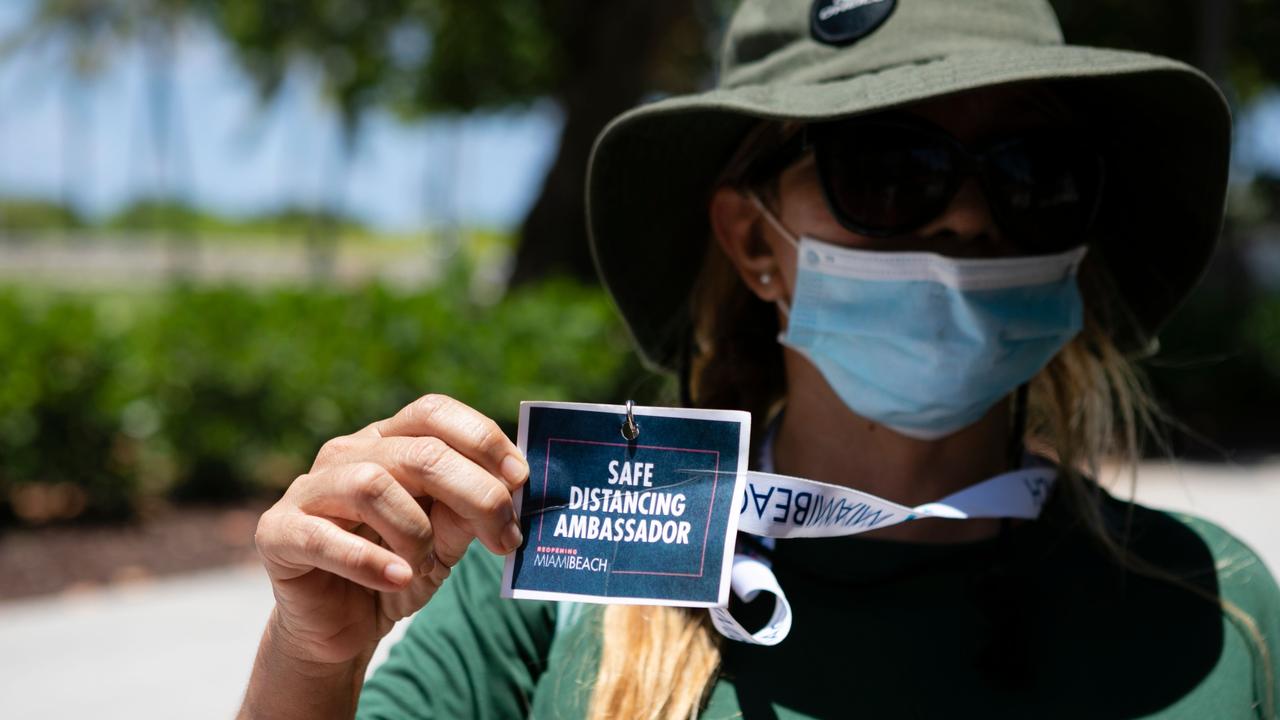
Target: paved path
x=106 y=262
x=182 y=648
x=1245 y=499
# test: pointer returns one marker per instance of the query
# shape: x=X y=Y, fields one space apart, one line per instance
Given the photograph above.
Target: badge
x=628 y=504
x=844 y=22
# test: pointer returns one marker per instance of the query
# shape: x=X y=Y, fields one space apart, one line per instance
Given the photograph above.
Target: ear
x=735 y=222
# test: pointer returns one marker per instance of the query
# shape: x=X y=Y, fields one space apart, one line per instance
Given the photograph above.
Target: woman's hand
x=369 y=534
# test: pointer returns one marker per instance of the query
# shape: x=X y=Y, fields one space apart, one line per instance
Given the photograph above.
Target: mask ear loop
x=773 y=219
x=685 y=368
x=782 y=230
x=1017 y=446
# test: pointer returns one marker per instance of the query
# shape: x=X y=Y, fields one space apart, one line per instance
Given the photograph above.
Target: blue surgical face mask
x=922 y=343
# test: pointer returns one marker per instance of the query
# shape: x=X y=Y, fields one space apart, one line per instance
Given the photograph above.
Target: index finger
x=466 y=430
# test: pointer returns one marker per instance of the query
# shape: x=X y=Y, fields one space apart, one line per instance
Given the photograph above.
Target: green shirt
x=1035 y=623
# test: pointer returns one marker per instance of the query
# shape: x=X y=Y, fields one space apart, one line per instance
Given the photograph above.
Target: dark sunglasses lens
x=1045 y=191
x=882 y=180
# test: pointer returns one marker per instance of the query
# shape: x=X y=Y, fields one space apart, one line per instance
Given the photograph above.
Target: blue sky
x=244 y=157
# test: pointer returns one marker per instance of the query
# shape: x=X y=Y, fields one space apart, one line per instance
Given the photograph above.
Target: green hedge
x=108 y=402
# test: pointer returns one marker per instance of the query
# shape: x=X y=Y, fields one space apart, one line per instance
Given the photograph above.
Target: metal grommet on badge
x=630 y=430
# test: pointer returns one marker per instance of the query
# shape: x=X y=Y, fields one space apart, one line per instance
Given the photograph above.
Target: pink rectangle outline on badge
x=706 y=531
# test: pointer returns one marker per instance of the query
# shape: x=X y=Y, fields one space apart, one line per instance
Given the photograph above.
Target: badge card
x=649 y=520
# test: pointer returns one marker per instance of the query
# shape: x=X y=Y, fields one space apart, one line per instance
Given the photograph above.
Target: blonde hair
x=1089 y=403
x=656 y=662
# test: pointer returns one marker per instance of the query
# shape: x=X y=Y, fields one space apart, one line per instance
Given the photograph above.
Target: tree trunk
x=161 y=50
x=1214 y=38
x=610 y=49
x=1228 y=273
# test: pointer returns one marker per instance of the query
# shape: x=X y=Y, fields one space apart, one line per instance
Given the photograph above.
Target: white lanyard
x=780 y=506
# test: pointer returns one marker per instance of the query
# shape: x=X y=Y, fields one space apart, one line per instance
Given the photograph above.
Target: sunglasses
x=888 y=175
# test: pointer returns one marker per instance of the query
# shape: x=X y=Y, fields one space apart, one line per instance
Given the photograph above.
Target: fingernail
x=398 y=573
x=512 y=537
x=428 y=565
x=514 y=469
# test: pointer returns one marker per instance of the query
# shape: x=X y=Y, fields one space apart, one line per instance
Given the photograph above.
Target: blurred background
x=233 y=229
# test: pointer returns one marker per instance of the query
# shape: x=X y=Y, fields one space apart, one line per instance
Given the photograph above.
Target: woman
x=1004 y=221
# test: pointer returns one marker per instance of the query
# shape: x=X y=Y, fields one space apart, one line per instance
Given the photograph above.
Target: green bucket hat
x=651 y=170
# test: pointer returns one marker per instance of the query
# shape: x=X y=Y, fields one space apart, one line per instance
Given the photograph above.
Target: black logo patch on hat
x=844 y=22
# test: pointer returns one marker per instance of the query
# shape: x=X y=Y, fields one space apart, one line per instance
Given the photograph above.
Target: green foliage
x=22 y=215
x=415 y=55
x=222 y=393
x=475 y=55
x=431 y=56
x=1218 y=374
x=57 y=422
x=86 y=33
x=1238 y=35
x=154 y=215
x=1263 y=333
x=160 y=215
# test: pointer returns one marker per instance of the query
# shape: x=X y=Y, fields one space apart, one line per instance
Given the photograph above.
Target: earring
x=765 y=278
